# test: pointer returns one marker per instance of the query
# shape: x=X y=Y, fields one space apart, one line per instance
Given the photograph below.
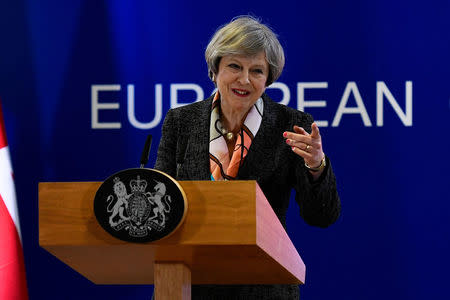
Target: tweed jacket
x=183 y=153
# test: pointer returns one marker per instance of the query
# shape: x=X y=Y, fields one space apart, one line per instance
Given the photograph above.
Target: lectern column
x=172 y=281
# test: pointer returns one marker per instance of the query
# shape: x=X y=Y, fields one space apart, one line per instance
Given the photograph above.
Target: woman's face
x=241 y=80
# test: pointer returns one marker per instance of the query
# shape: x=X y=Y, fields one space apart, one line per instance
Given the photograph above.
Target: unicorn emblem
x=162 y=201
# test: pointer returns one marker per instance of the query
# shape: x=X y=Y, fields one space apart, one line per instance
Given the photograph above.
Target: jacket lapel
x=259 y=162
x=197 y=150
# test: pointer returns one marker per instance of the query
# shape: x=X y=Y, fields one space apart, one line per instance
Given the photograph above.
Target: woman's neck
x=232 y=120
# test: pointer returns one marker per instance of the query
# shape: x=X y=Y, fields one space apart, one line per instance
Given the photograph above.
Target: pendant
x=229 y=136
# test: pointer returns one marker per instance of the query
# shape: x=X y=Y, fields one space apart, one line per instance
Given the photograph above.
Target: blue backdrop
x=83 y=82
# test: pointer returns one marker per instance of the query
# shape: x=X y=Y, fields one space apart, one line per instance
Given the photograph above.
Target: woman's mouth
x=240 y=93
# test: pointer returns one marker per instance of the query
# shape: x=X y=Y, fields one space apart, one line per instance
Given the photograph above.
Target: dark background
x=393 y=237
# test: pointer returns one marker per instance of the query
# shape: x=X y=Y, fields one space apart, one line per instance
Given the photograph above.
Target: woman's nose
x=244 y=77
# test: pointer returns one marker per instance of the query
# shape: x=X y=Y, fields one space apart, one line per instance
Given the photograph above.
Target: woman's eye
x=259 y=71
x=234 y=66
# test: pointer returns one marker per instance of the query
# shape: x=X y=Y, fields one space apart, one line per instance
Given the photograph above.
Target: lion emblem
x=120 y=204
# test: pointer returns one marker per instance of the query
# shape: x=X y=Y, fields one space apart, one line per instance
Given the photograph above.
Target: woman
x=240 y=133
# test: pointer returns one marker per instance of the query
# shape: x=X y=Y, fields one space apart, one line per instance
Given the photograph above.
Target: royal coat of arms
x=138 y=206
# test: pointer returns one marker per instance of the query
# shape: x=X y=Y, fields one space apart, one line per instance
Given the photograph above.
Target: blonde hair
x=245 y=35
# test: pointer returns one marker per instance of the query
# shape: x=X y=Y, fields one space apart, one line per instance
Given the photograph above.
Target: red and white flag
x=13 y=283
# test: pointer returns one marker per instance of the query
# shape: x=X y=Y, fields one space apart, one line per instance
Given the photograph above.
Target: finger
x=298 y=137
x=300 y=134
x=315 y=133
x=300 y=130
x=302 y=153
x=300 y=145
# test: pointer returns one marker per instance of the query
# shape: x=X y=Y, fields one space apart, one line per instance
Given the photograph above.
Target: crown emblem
x=138 y=185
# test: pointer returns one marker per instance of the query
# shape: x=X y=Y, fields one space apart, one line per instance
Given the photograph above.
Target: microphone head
x=146 y=151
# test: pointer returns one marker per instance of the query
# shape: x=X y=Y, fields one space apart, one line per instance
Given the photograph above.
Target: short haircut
x=245 y=35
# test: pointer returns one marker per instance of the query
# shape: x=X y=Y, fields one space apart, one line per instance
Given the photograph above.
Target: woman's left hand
x=308 y=146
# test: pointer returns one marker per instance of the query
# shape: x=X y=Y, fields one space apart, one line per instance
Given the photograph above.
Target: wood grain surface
x=230 y=236
x=172 y=281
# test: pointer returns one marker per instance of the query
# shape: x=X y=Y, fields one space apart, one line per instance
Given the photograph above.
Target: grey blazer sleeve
x=166 y=160
x=318 y=200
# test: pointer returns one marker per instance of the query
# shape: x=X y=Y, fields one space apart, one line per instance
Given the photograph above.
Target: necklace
x=228 y=135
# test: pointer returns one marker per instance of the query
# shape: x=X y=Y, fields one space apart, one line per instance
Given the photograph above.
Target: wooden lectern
x=230 y=236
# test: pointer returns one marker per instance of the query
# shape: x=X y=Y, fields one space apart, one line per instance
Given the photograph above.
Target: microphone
x=146 y=151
